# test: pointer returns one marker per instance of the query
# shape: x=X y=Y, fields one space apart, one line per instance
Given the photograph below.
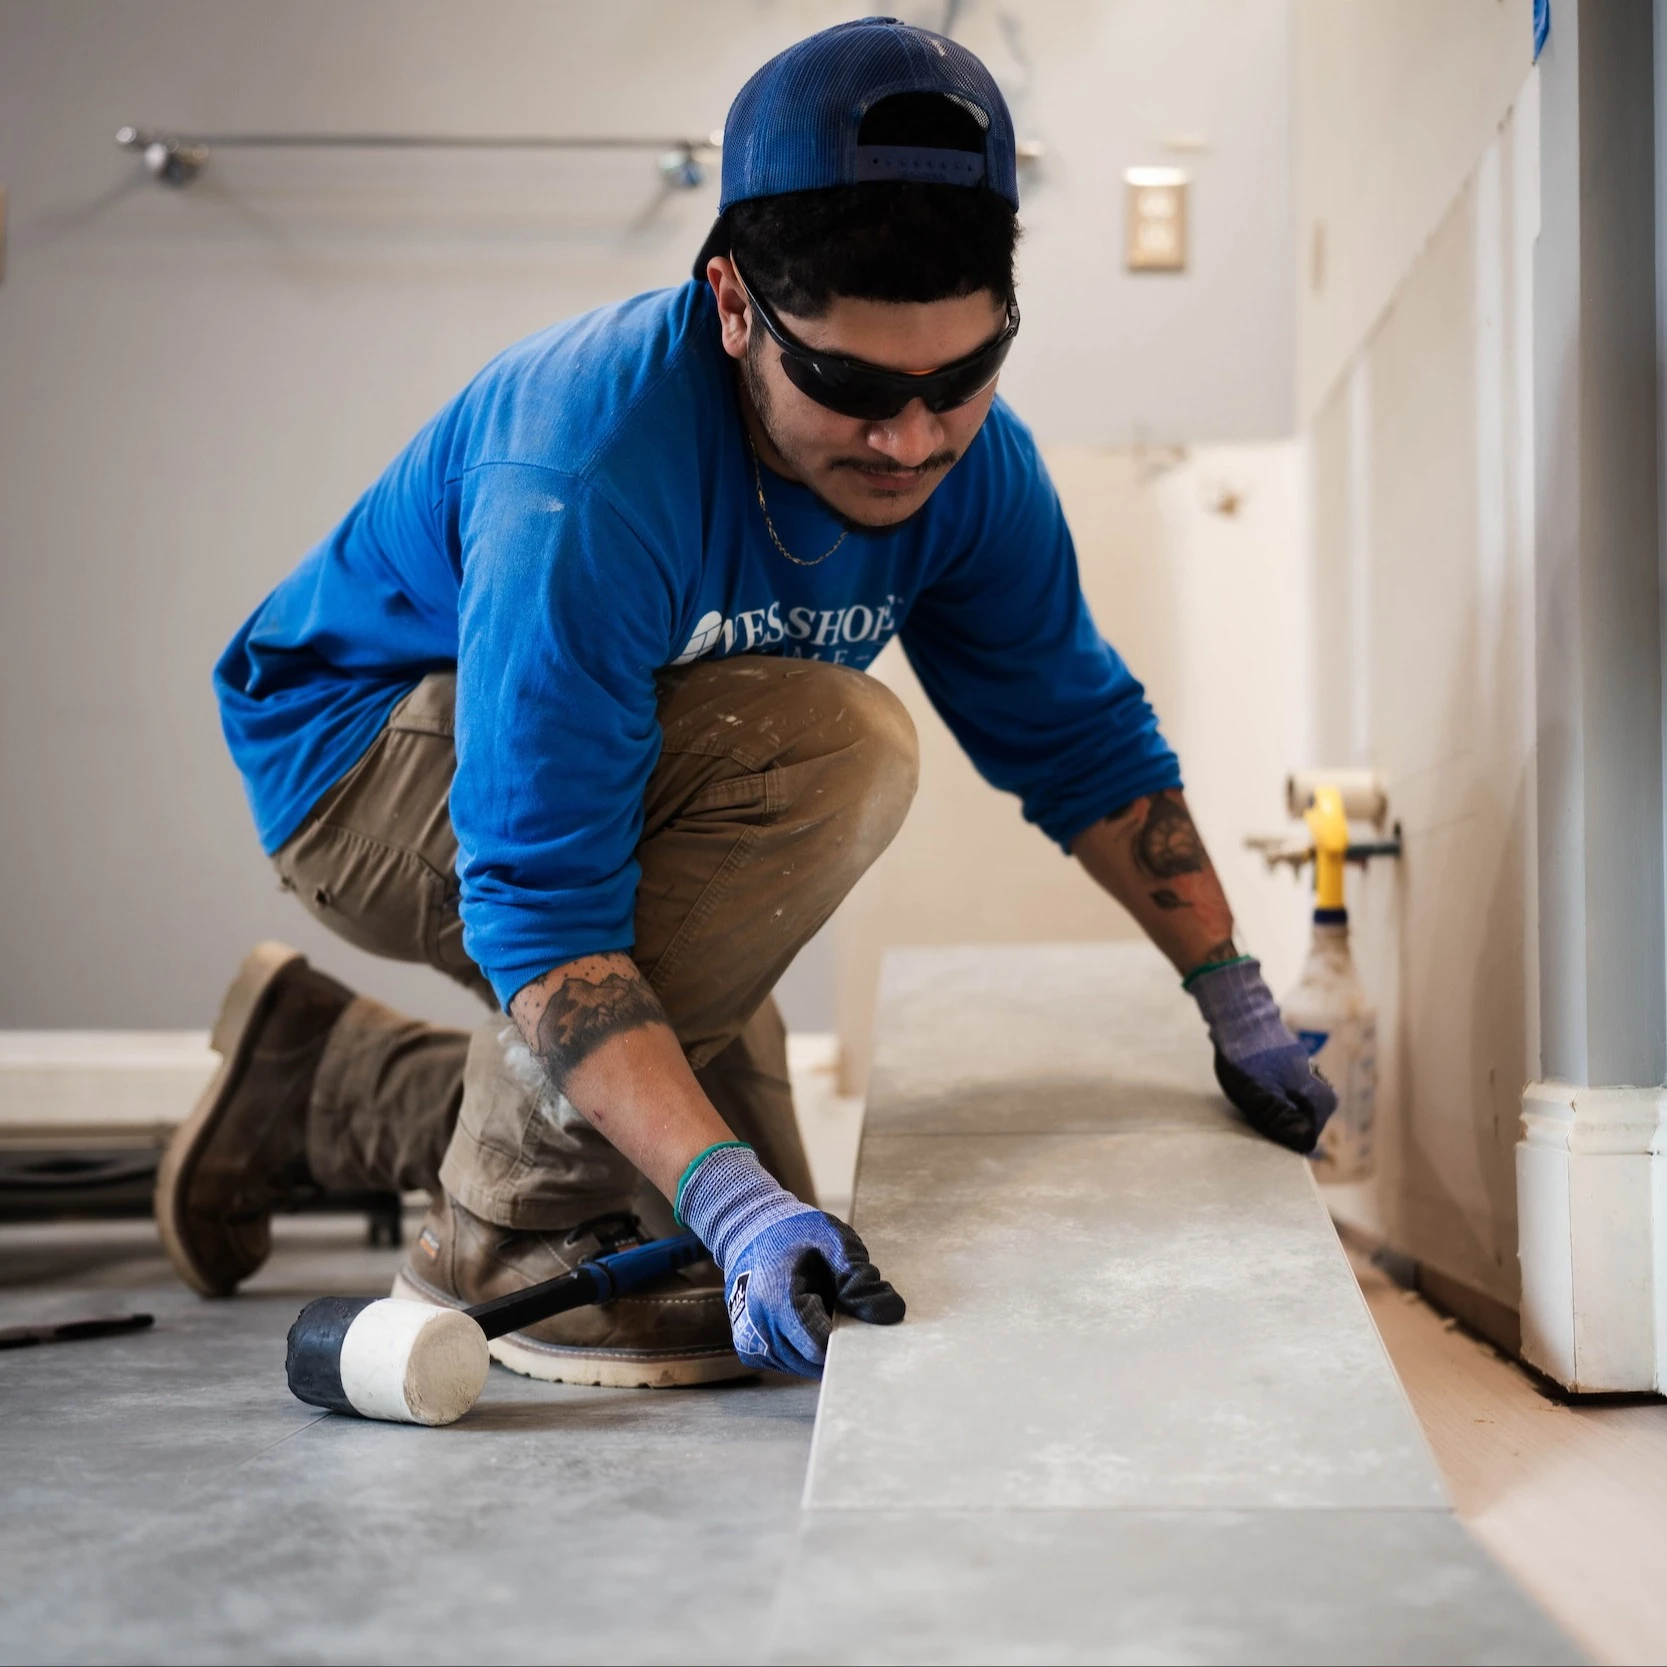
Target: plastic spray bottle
x=1328 y=1009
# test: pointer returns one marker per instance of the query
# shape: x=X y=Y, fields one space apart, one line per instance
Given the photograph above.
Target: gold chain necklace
x=770 y=526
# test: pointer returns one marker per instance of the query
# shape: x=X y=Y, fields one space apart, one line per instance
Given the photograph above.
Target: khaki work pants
x=779 y=782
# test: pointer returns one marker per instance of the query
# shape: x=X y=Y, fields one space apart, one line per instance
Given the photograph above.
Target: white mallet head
x=383 y=1357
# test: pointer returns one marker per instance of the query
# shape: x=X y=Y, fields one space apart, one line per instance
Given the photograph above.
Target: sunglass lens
x=845 y=390
x=969 y=381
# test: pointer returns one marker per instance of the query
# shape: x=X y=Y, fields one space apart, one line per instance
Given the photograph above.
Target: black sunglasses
x=856 y=389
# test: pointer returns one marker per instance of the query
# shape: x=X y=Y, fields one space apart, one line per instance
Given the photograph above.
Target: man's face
x=871 y=474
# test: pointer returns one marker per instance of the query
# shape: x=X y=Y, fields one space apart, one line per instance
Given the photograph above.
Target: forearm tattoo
x=581 y=1014
x=1165 y=845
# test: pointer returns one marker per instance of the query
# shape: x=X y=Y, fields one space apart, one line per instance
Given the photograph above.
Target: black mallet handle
x=599 y=1280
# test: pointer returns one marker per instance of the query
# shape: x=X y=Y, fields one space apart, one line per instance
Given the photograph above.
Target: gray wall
x=1598 y=651
x=1421 y=473
x=194 y=385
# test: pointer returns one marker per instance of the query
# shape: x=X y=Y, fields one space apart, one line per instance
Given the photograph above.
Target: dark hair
x=891 y=240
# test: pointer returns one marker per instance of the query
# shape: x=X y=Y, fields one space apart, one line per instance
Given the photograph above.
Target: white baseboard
x=99 y=1084
x=1592 y=1235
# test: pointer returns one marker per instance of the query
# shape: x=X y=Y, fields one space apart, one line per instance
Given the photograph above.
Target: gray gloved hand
x=1262 y=1068
x=787 y=1268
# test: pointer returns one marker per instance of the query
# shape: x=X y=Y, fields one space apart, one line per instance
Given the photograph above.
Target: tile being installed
x=1050 y=1037
x=1158 y=1320
x=1040 y=1586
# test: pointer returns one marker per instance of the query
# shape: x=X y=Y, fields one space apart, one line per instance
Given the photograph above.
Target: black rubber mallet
x=413 y=1363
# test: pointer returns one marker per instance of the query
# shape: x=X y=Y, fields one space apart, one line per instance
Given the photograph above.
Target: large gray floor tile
x=1277 y=1586
x=1159 y=1320
x=1138 y=1411
x=1040 y=1037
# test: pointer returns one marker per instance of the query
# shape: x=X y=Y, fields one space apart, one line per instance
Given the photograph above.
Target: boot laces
x=614 y=1230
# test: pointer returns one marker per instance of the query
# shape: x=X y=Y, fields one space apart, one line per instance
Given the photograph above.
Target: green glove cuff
x=693 y=1164
x=1212 y=966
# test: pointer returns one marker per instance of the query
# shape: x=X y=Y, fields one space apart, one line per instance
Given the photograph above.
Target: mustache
x=883 y=466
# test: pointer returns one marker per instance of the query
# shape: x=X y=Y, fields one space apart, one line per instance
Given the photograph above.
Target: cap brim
x=717 y=243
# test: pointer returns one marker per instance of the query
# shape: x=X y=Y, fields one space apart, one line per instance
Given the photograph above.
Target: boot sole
x=231 y=1039
x=594 y=1368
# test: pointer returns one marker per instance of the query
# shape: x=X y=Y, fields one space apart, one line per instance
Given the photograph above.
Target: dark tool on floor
x=73 y=1331
x=410 y=1363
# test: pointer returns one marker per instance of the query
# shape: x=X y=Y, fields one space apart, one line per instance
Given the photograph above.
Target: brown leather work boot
x=243 y=1150
x=674 y=1332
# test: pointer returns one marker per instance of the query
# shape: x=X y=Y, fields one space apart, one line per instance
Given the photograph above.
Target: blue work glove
x=1262 y=1068
x=786 y=1267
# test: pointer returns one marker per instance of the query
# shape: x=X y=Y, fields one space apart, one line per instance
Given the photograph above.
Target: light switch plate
x=1157 y=219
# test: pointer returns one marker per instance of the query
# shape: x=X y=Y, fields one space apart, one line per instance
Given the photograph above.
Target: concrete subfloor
x=166 y=1499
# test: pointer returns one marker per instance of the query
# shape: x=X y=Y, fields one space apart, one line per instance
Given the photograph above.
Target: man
x=572 y=707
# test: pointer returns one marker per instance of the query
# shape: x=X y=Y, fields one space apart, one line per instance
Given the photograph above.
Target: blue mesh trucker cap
x=793 y=127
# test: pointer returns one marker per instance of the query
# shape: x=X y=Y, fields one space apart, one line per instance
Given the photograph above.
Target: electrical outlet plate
x=1157 y=219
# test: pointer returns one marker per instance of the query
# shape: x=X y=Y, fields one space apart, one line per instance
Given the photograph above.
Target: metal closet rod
x=177 y=158
x=137 y=138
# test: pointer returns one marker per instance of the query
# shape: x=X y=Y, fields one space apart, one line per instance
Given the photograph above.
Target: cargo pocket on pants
x=375 y=896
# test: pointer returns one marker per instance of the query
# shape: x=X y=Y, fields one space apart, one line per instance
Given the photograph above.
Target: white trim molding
x=102 y=1087
x=1592 y=1235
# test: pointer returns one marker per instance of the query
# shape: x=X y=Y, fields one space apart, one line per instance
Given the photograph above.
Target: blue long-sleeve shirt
x=581 y=516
